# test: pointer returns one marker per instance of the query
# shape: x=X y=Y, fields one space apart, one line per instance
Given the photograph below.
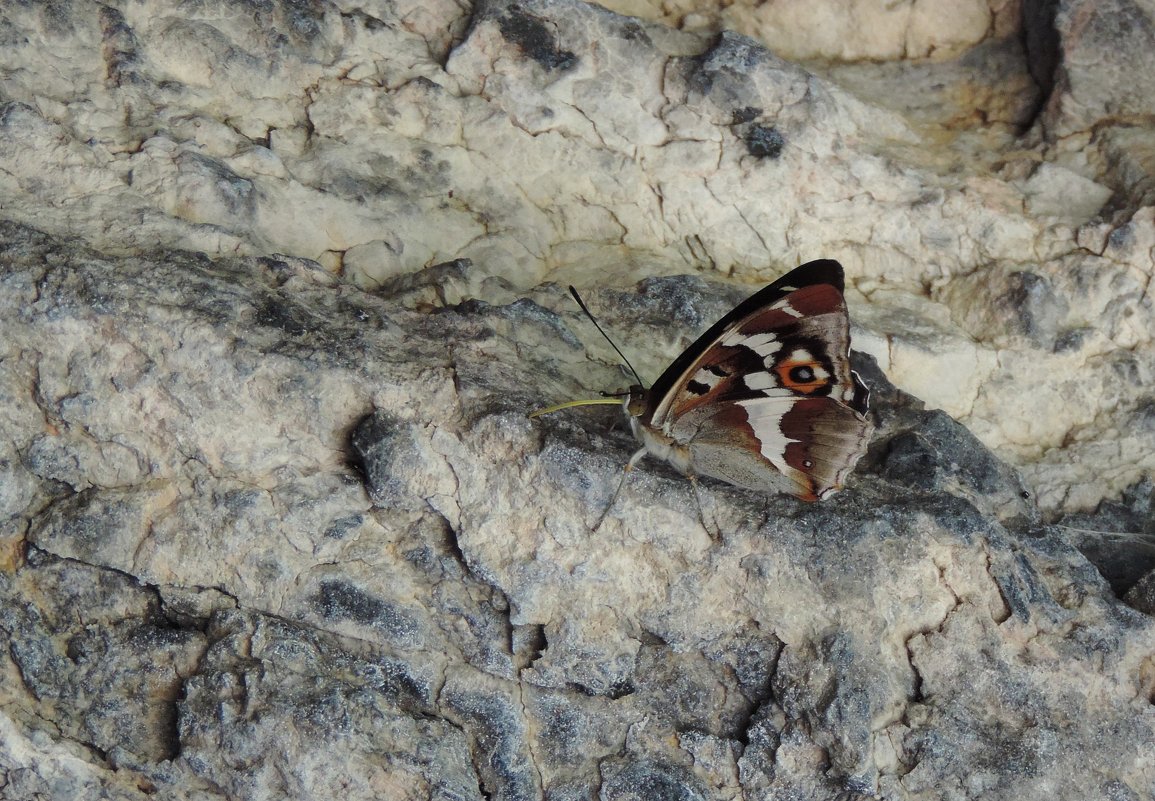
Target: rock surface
x=277 y=526
x=1003 y=279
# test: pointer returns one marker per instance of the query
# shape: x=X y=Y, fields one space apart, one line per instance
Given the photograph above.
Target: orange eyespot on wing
x=802 y=373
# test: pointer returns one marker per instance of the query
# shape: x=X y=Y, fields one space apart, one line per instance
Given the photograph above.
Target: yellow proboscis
x=570 y=404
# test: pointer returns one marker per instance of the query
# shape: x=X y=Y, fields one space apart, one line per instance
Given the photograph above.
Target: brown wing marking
x=742 y=443
x=826 y=440
x=714 y=374
x=805 y=447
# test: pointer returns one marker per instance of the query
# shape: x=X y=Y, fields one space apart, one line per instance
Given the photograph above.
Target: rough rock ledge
x=280 y=281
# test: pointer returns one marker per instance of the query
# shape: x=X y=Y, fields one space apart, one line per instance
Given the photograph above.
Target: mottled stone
x=1104 y=73
x=279 y=287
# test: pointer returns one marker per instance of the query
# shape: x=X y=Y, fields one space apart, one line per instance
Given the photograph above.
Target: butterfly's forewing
x=664 y=392
x=766 y=398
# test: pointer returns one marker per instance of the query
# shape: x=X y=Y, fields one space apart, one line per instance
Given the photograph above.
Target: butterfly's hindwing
x=823 y=434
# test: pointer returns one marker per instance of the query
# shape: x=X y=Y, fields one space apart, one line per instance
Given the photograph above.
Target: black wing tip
x=818 y=271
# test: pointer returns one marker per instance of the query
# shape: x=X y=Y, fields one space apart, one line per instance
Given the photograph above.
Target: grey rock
x=465 y=632
x=1118 y=538
x=1141 y=596
x=647 y=780
x=298 y=714
x=1104 y=70
x=279 y=288
x=99 y=653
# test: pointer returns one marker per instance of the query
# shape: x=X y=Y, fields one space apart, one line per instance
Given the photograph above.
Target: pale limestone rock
x=847 y=30
x=278 y=525
x=855 y=30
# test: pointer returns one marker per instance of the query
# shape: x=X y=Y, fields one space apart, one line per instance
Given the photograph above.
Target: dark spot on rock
x=1143 y=417
x=340 y=528
x=746 y=114
x=1037 y=309
x=647 y=780
x=119 y=49
x=620 y=688
x=1118 y=538
x=1071 y=339
x=497 y=725
x=279 y=314
x=1041 y=39
x=634 y=32
x=385 y=451
x=237 y=501
x=340 y=600
x=764 y=142
x=1120 y=237
x=528 y=642
x=534 y=39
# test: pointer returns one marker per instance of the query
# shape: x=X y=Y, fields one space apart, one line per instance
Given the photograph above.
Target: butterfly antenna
x=585 y=309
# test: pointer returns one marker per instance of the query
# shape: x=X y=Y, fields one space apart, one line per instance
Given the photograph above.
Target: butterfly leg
x=637 y=457
x=714 y=531
x=613 y=500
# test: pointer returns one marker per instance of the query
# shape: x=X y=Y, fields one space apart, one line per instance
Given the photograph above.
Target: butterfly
x=765 y=399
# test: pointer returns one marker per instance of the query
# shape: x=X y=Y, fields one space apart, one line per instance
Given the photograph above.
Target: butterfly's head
x=635 y=402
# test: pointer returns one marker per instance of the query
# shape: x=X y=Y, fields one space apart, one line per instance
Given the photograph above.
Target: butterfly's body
x=766 y=398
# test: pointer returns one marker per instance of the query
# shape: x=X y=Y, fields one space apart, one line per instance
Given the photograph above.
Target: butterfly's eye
x=636 y=404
